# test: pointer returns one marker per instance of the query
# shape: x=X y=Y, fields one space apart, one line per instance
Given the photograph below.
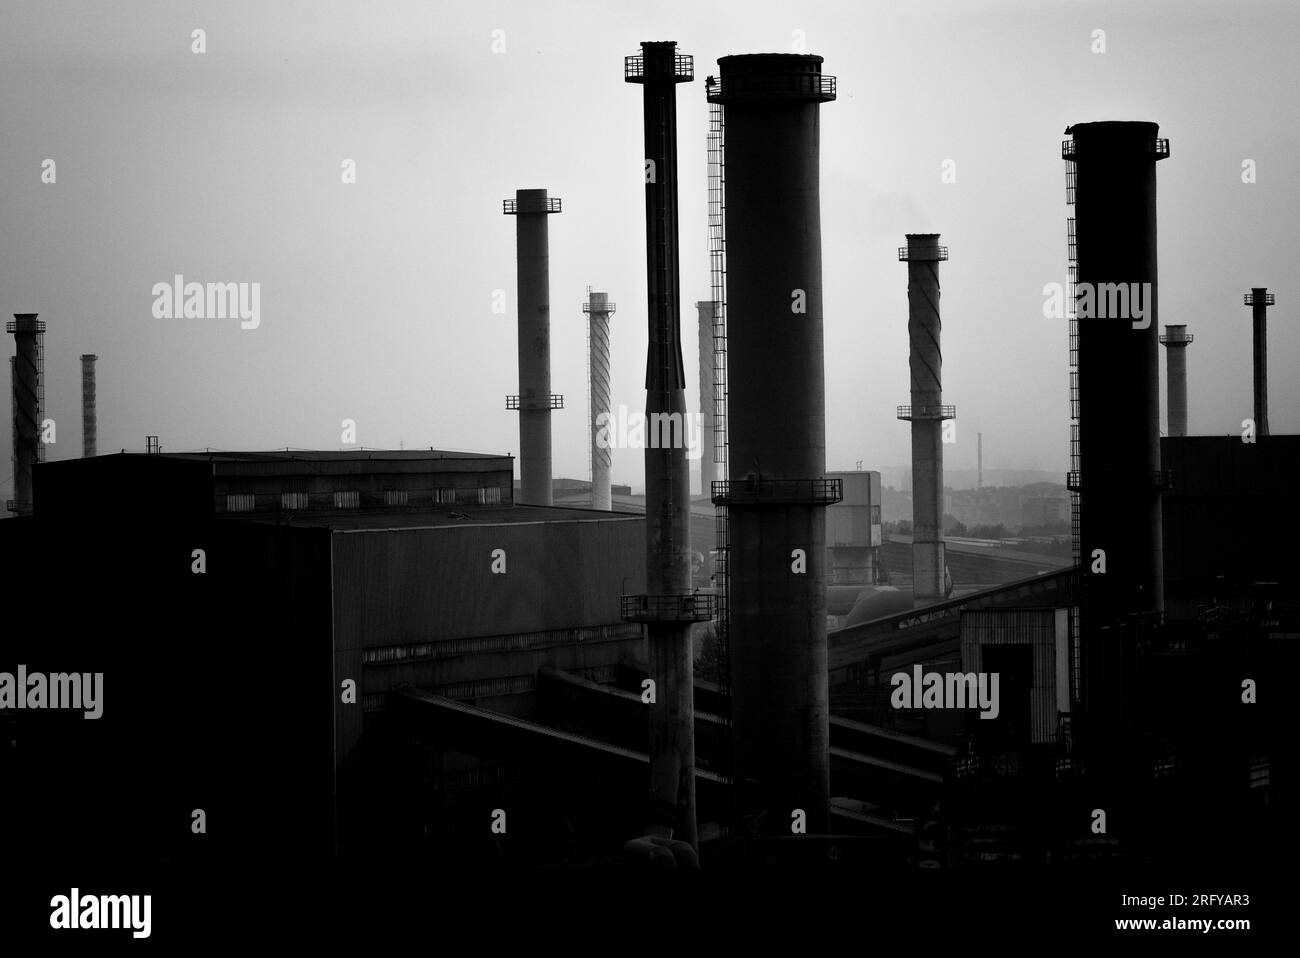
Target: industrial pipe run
x=927 y=413
x=599 y=309
x=535 y=401
x=28 y=332
x=88 y=426
x=776 y=492
x=1176 y=340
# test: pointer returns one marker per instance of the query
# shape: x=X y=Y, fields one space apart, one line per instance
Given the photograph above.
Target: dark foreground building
x=254 y=613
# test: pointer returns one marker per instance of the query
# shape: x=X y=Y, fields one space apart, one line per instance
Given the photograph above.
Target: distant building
x=1044 y=510
x=853 y=530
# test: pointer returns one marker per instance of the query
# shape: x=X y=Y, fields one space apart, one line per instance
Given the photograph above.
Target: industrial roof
x=322 y=455
x=443 y=516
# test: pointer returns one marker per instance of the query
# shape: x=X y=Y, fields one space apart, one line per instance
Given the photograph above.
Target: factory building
x=277 y=600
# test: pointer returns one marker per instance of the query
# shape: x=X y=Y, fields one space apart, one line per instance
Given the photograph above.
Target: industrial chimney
x=28 y=395
x=535 y=401
x=668 y=608
x=13 y=421
x=88 y=429
x=1112 y=168
x=599 y=309
x=708 y=319
x=1176 y=340
x=927 y=413
x=776 y=492
x=1261 y=299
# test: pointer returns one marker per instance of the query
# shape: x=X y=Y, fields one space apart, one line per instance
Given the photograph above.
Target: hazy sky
x=376 y=296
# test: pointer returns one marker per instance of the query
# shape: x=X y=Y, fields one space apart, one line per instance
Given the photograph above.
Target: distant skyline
x=376 y=297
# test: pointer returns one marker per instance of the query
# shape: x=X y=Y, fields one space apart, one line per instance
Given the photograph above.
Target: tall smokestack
x=979 y=460
x=708 y=315
x=1261 y=299
x=1176 y=340
x=88 y=429
x=535 y=401
x=28 y=371
x=927 y=414
x=1118 y=383
x=776 y=493
x=599 y=309
x=668 y=608
x=13 y=421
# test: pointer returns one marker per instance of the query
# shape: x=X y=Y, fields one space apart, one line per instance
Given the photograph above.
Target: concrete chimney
x=88 y=429
x=1119 y=480
x=1176 y=340
x=535 y=401
x=28 y=392
x=13 y=421
x=777 y=492
x=668 y=608
x=927 y=414
x=599 y=309
x=708 y=317
x=1261 y=299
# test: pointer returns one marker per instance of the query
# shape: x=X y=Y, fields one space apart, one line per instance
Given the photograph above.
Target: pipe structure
x=1176 y=340
x=668 y=608
x=1119 y=477
x=1261 y=299
x=708 y=316
x=776 y=493
x=927 y=414
x=28 y=332
x=88 y=427
x=535 y=401
x=599 y=309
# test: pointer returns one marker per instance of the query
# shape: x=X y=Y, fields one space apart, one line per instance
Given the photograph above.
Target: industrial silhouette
x=404 y=660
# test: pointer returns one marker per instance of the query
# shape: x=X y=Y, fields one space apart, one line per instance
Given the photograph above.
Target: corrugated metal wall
x=420 y=585
x=1033 y=627
x=431 y=589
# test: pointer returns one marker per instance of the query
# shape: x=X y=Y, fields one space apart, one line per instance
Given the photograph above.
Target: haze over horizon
x=376 y=296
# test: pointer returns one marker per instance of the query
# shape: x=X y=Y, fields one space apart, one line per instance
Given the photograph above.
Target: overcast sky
x=376 y=297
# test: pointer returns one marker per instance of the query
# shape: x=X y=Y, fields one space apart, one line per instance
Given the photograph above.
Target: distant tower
x=535 y=401
x=979 y=460
x=88 y=428
x=927 y=414
x=1176 y=340
x=1261 y=299
x=600 y=309
x=28 y=398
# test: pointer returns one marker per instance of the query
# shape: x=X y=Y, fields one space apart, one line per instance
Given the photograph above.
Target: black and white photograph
x=815 y=475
